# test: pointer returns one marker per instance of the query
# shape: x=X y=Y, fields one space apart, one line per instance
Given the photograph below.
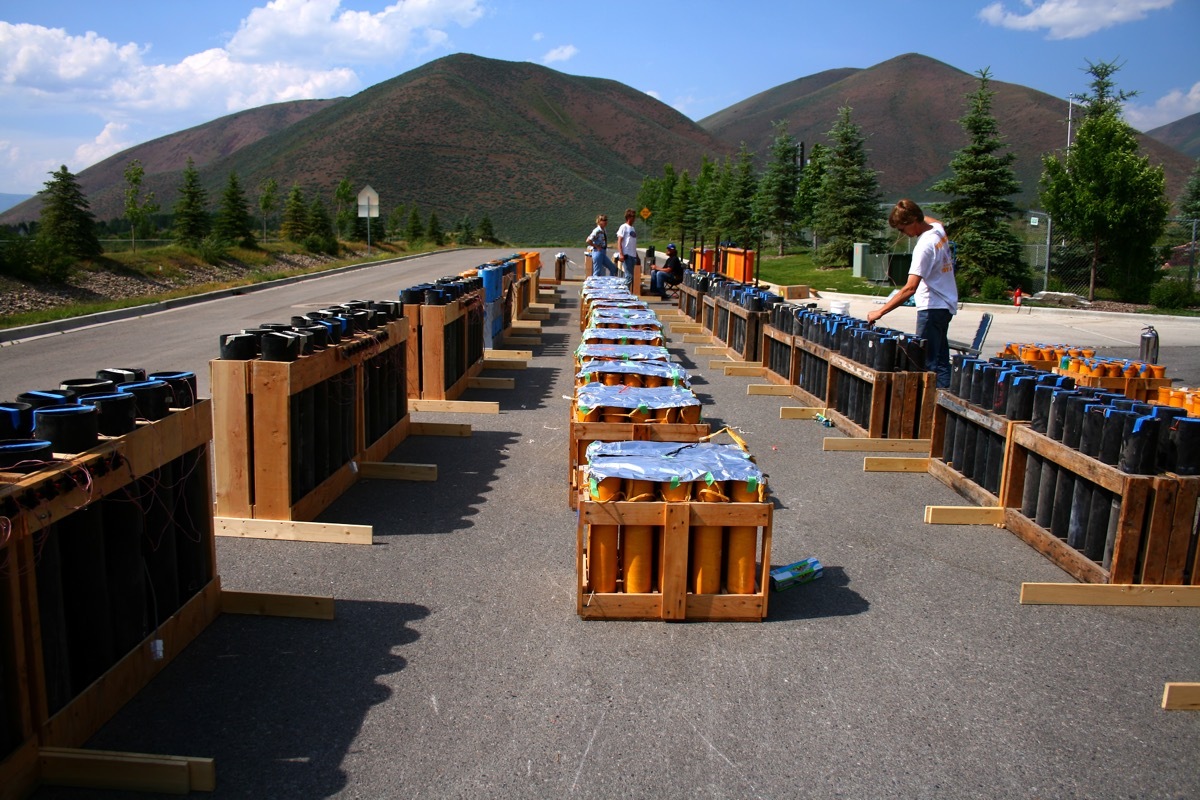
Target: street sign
x=1033 y=221
x=645 y=213
x=368 y=202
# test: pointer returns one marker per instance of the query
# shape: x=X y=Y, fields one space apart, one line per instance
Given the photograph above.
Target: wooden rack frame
x=673 y=601
x=584 y=433
x=965 y=413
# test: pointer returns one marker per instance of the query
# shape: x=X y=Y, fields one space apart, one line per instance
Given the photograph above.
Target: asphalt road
x=457 y=666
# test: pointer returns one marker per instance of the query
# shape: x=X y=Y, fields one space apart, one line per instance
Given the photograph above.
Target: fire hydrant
x=1017 y=297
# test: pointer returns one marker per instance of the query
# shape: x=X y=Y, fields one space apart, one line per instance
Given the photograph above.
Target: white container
x=840 y=306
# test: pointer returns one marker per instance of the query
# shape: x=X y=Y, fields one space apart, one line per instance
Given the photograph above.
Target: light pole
x=1070 y=114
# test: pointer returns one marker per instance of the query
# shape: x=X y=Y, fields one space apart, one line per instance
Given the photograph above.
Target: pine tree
x=232 y=222
x=396 y=221
x=848 y=205
x=415 y=232
x=682 y=211
x=808 y=190
x=66 y=224
x=320 y=237
x=486 y=232
x=191 y=209
x=138 y=208
x=703 y=190
x=434 y=230
x=1110 y=197
x=294 y=227
x=345 y=209
x=978 y=215
x=776 y=194
x=464 y=231
x=737 y=211
x=1189 y=201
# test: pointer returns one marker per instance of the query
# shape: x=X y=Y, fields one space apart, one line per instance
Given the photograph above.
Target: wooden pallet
x=673 y=601
x=970 y=418
x=691 y=302
x=1143 y=389
x=1156 y=530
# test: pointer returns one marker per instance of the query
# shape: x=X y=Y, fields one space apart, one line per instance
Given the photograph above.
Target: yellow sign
x=645 y=213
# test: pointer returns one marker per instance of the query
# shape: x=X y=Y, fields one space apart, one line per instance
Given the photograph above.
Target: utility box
x=861 y=251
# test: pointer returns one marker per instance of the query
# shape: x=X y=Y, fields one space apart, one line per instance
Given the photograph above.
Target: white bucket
x=839 y=306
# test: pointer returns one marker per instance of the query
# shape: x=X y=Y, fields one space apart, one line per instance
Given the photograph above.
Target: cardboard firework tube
x=741 y=559
x=602 y=550
x=637 y=551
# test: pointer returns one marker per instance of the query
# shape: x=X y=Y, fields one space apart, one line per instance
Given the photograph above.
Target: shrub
x=1172 y=294
x=994 y=288
x=213 y=249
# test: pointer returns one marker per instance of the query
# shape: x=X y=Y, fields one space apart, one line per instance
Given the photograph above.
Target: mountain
x=539 y=151
x=1182 y=134
x=908 y=108
x=7 y=201
x=542 y=152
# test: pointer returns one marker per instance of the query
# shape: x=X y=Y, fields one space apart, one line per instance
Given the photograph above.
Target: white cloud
x=316 y=32
x=106 y=144
x=1071 y=19
x=537 y=37
x=563 y=53
x=1174 y=105
x=653 y=94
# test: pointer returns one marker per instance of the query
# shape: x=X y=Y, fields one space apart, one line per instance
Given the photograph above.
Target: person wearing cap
x=931 y=280
x=669 y=274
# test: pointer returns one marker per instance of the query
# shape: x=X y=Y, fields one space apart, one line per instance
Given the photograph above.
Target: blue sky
x=81 y=80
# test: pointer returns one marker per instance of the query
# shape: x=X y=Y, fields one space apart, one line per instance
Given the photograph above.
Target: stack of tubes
x=1137 y=438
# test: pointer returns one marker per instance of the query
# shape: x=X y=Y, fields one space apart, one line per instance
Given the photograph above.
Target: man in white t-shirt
x=931 y=280
x=627 y=254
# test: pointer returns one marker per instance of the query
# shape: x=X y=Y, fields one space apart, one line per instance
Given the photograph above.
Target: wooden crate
x=1143 y=389
x=738 y=329
x=1156 y=531
x=48 y=703
x=866 y=402
x=264 y=426
x=673 y=601
x=451 y=346
x=778 y=355
x=691 y=302
x=584 y=433
x=968 y=418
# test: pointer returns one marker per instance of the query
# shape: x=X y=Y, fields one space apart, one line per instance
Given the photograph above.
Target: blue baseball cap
x=671 y=246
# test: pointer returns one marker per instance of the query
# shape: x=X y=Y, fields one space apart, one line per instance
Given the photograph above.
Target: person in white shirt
x=627 y=254
x=931 y=280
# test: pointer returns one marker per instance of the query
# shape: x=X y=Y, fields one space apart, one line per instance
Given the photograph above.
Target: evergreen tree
x=345 y=209
x=191 y=209
x=682 y=215
x=434 y=230
x=1104 y=97
x=661 y=206
x=982 y=181
x=808 y=190
x=464 y=231
x=396 y=221
x=647 y=197
x=320 y=237
x=139 y=209
x=720 y=189
x=66 y=224
x=706 y=214
x=776 y=196
x=486 y=232
x=294 y=227
x=848 y=205
x=415 y=232
x=232 y=222
x=268 y=201
x=738 y=221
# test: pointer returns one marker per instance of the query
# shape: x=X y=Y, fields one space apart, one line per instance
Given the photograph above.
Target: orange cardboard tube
x=705 y=561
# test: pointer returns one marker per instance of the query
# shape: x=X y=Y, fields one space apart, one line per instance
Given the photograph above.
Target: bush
x=1172 y=294
x=213 y=249
x=994 y=288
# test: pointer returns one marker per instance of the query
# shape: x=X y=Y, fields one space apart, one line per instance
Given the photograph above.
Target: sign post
x=368 y=206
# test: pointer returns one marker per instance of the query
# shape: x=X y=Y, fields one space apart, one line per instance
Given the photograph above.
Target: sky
x=81 y=80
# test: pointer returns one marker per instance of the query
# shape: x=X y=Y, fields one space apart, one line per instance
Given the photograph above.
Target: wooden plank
x=389 y=471
x=620 y=606
x=507 y=355
x=292 y=530
x=895 y=464
x=1158 y=531
x=960 y=483
x=526 y=327
x=1110 y=594
x=504 y=363
x=491 y=383
x=800 y=412
x=744 y=371
x=964 y=515
x=698 y=338
x=685 y=327
x=455 y=406
x=769 y=390
x=843 y=444
x=457 y=429
x=1181 y=697
x=137 y=772
x=1182 y=527
x=710 y=350
x=674 y=556
x=277 y=605
x=19 y=770
x=231 y=446
x=1066 y=557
